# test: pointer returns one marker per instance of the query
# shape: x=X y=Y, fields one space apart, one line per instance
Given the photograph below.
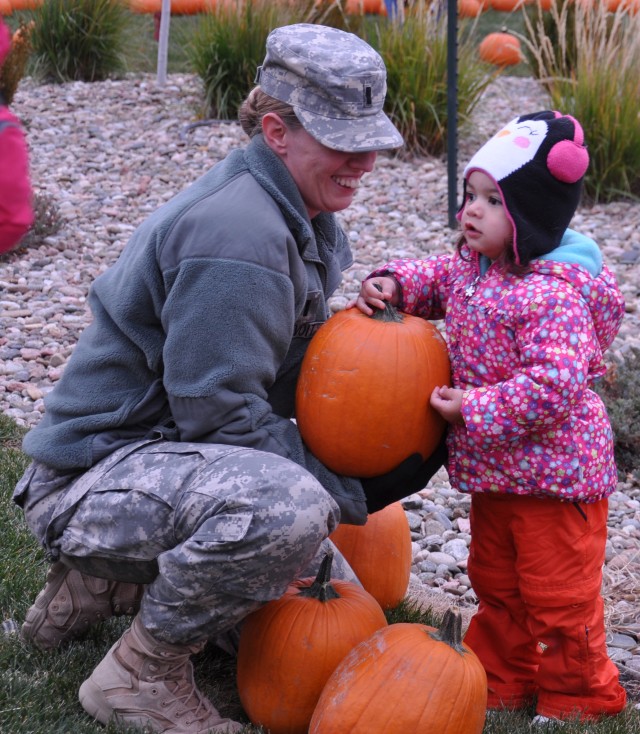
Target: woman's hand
x=374 y=293
x=448 y=402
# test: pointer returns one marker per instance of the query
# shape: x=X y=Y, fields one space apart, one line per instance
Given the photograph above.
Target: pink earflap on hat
x=538 y=161
x=568 y=159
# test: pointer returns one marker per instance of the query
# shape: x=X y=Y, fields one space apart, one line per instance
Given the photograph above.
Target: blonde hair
x=257 y=105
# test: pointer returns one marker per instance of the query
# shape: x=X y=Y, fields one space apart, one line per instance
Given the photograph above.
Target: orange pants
x=536 y=567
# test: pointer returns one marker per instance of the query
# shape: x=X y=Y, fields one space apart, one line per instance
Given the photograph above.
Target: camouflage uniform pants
x=215 y=531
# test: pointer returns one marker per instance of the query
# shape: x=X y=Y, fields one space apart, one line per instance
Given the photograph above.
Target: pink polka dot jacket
x=526 y=351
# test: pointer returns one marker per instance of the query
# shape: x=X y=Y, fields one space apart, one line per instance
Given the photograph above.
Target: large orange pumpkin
x=362 y=400
x=408 y=678
x=500 y=48
x=289 y=648
x=379 y=553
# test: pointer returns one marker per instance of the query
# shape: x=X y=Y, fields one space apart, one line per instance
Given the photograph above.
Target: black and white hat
x=538 y=162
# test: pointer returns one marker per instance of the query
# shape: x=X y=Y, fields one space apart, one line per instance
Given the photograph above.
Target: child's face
x=485 y=225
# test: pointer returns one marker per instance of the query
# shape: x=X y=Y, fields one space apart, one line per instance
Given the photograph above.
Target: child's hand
x=448 y=402
x=374 y=293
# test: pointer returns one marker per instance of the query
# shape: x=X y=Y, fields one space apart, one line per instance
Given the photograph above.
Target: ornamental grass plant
x=415 y=53
x=226 y=49
x=78 y=40
x=228 y=45
x=588 y=59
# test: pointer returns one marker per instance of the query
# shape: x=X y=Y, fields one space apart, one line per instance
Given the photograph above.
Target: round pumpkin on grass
x=408 y=678
x=289 y=648
x=362 y=399
x=379 y=552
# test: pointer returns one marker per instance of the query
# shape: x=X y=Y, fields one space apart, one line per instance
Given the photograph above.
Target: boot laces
x=178 y=678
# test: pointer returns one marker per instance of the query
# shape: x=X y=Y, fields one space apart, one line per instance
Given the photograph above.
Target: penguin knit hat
x=335 y=82
x=538 y=162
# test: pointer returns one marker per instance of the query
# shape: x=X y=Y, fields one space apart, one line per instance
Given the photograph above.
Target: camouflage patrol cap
x=335 y=82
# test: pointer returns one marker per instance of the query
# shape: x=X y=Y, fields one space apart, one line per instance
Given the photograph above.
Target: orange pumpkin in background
x=506 y=6
x=362 y=399
x=470 y=8
x=25 y=4
x=178 y=7
x=379 y=552
x=500 y=48
x=365 y=7
x=628 y=6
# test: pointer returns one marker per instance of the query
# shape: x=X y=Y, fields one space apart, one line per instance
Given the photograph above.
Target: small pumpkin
x=289 y=647
x=366 y=7
x=420 y=678
x=178 y=7
x=500 y=48
x=379 y=552
x=627 y=6
x=470 y=8
x=362 y=398
x=19 y=5
x=506 y=6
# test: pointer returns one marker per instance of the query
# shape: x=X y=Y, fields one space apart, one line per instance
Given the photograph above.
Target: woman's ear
x=274 y=132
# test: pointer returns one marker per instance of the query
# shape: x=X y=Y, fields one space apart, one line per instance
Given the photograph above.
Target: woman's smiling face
x=327 y=179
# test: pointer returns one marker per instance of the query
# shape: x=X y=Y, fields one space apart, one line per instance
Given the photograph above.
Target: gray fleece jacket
x=200 y=326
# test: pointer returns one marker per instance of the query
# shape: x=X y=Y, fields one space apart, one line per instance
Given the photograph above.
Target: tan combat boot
x=72 y=602
x=144 y=682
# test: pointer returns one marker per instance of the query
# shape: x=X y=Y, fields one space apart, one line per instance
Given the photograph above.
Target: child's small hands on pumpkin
x=448 y=402
x=374 y=293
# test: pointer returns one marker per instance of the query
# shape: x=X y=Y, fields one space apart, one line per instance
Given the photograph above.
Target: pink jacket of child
x=16 y=212
x=526 y=351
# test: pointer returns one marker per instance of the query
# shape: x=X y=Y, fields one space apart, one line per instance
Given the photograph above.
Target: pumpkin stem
x=321 y=589
x=389 y=313
x=450 y=631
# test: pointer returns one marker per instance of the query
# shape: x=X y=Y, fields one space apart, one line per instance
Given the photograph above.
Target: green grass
x=38 y=691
